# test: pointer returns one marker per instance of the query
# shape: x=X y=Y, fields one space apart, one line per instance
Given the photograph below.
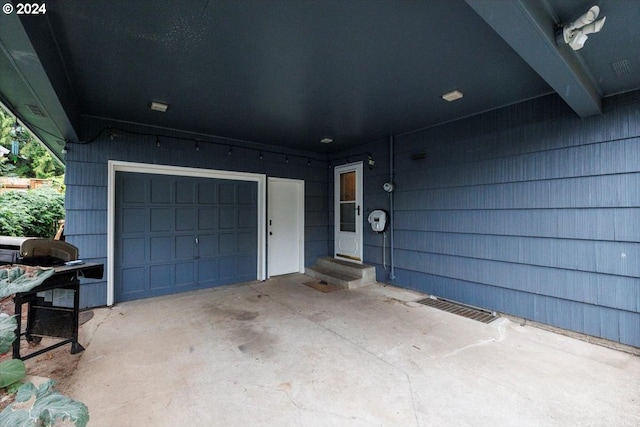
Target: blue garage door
x=176 y=234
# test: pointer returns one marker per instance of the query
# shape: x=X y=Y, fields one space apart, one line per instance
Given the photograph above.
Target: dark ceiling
x=288 y=73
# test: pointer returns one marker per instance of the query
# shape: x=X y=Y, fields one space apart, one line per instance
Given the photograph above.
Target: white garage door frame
x=121 y=166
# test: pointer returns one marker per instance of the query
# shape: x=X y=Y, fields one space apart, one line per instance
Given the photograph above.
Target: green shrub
x=33 y=213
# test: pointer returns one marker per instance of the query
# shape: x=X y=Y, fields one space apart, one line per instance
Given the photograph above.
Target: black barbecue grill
x=53 y=305
x=36 y=251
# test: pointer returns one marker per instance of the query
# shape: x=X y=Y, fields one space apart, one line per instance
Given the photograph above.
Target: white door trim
x=121 y=166
x=356 y=167
x=300 y=209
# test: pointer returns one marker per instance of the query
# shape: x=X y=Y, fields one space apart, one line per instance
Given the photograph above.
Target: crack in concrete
x=501 y=337
x=95 y=330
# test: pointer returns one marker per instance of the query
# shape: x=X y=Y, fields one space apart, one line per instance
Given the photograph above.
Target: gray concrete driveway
x=278 y=353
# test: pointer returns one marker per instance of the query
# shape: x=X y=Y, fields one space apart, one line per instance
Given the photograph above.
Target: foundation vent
x=460 y=309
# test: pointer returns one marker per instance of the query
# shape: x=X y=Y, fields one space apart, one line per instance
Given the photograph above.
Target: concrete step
x=342 y=273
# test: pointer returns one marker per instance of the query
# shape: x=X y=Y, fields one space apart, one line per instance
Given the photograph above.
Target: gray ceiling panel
x=288 y=73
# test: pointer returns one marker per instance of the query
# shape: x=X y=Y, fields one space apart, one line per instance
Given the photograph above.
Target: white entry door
x=348 y=212
x=285 y=200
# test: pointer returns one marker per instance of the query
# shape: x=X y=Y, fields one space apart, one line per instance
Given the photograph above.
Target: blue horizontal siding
x=449 y=170
x=86 y=173
x=85 y=221
x=584 y=192
x=591 y=224
x=525 y=210
x=608 y=257
x=90 y=246
x=598 y=289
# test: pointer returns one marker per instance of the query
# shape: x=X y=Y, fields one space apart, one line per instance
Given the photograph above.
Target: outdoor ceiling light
x=452 y=96
x=326 y=140
x=370 y=161
x=159 y=106
x=576 y=33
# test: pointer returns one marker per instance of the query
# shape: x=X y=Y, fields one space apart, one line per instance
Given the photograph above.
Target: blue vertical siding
x=86 y=182
x=527 y=210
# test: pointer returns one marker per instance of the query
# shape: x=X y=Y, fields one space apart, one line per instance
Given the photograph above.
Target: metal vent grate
x=621 y=68
x=35 y=110
x=459 y=309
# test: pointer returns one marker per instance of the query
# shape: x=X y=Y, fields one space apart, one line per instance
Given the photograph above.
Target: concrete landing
x=278 y=353
x=346 y=274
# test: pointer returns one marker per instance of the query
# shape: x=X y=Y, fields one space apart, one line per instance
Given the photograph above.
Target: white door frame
x=300 y=210
x=121 y=166
x=356 y=167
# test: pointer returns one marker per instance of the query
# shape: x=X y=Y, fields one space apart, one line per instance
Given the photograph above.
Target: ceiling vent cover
x=621 y=68
x=35 y=110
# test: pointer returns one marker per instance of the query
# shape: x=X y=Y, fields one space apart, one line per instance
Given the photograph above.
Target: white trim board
x=121 y=166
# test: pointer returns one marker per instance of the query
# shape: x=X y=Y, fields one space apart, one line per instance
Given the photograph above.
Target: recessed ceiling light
x=159 y=106
x=452 y=96
x=326 y=140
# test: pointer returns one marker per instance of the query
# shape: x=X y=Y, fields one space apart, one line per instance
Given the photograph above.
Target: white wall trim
x=121 y=166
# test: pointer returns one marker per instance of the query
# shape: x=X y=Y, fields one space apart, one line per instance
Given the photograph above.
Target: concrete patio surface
x=278 y=353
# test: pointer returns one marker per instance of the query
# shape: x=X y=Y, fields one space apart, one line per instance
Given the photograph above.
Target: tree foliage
x=32 y=160
x=33 y=213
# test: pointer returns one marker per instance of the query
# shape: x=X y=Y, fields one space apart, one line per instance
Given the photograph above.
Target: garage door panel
x=228 y=218
x=207 y=193
x=227 y=194
x=207 y=245
x=246 y=242
x=185 y=192
x=207 y=270
x=161 y=248
x=185 y=247
x=228 y=267
x=246 y=195
x=185 y=274
x=160 y=276
x=134 y=220
x=161 y=219
x=228 y=243
x=133 y=280
x=135 y=191
x=185 y=219
x=247 y=219
x=246 y=267
x=161 y=191
x=208 y=219
x=134 y=250
x=188 y=233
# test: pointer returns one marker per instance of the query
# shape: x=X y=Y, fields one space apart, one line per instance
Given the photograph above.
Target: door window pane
x=347 y=186
x=348 y=216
